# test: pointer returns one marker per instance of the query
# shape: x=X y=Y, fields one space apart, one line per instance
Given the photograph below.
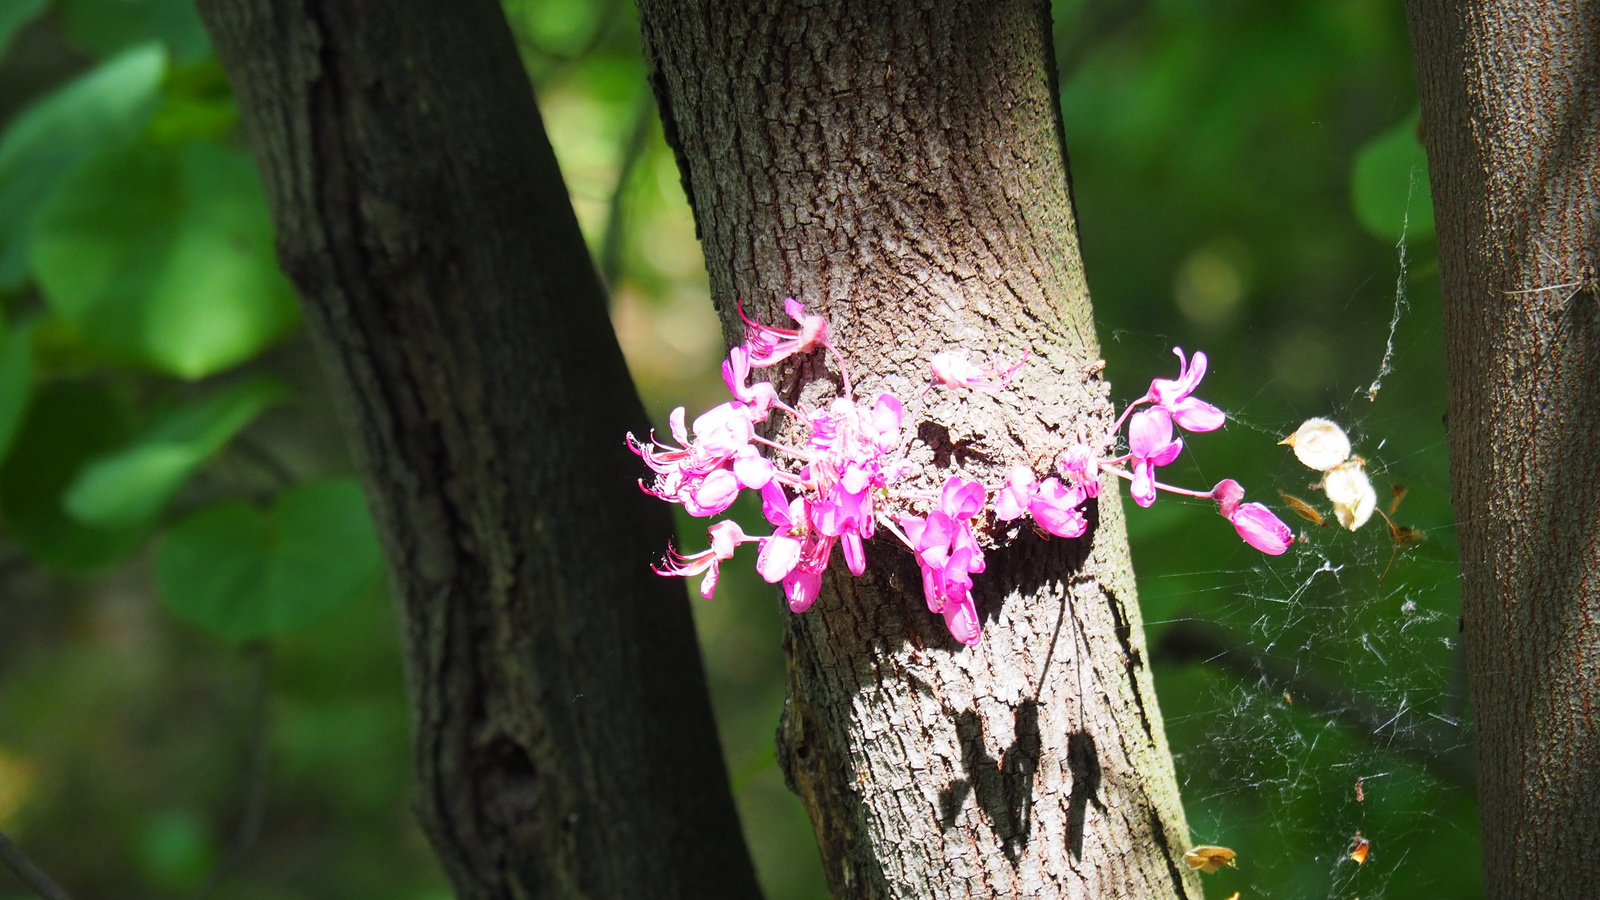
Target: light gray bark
x=900 y=166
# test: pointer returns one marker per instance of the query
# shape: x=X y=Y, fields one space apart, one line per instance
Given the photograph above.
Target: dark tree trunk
x=564 y=740
x=1511 y=121
x=900 y=165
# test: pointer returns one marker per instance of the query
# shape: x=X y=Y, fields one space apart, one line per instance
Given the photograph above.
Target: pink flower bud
x=1261 y=529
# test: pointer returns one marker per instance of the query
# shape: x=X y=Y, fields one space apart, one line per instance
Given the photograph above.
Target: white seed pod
x=1350 y=492
x=1319 y=443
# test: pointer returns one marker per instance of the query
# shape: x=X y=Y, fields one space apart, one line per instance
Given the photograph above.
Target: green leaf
x=133 y=485
x=196 y=103
x=165 y=254
x=13 y=15
x=1389 y=185
x=106 y=26
x=245 y=573
x=49 y=140
x=67 y=424
x=16 y=381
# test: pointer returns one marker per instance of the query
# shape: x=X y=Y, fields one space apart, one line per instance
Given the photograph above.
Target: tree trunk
x=901 y=167
x=1511 y=121
x=563 y=736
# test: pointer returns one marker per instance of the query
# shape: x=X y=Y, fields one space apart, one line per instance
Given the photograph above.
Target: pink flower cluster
x=845 y=479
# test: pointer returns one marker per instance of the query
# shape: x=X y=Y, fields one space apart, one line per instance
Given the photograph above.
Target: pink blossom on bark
x=882 y=426
x=948 y=554
x=961 y=617
x=769 y=345
x=1052 y=504
x=1011 y=501
x=852 y=457
x=1080 y=466
x=952 y=369
x=795 y=553
x=711 y=494
x=707 y=473
x=722 y=430
x=752 y=469
x=1055 y=507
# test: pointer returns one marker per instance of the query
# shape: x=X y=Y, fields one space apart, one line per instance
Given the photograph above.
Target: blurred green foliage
x=134 y=484
x=174 y=514
x=170 y=521
x=247 y=574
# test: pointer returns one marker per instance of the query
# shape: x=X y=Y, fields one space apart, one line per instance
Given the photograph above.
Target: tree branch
x=29 y=871
x=256 y=781
x=617 y=218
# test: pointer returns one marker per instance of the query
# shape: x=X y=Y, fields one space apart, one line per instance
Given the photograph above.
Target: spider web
x=1317 y=699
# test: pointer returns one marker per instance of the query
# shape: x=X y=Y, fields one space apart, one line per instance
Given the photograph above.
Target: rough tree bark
x=1511 y=122
x=563 y=736
x=901 y=166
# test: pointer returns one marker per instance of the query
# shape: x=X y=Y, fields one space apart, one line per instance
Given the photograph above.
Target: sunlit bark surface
x=901 y=167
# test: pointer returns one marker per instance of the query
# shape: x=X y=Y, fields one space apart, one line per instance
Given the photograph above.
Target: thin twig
x=255 y=805
x=617 y=216
x=30 y=873
x=248 y=446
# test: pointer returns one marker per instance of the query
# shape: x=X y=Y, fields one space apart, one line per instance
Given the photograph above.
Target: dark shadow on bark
x=1004 y=786
x=1083 y=761
x=950 y=452
x=1158 y=831
x=1032 y=561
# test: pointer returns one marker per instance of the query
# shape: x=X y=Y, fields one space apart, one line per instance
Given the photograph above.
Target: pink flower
x=960 y=499
x=846 y=507
x=706 y=474
x=769 y=345
x=952 y=369
x=961 y=617
x=708 y=495
x=1254 y=522
x=1150 y=443
x=1011 y=501
x=1055 y=508
x=719 y=434
x=1080 y=466
x=1053 y=505
x=795 y=553
x=720 y=431
x=1191 y=413
x=948 y=555
x=726 y=536
x=751 y=469
x=882 y=426
x=757 y=398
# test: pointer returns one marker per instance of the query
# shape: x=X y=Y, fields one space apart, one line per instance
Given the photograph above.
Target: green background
x=1248 y=182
